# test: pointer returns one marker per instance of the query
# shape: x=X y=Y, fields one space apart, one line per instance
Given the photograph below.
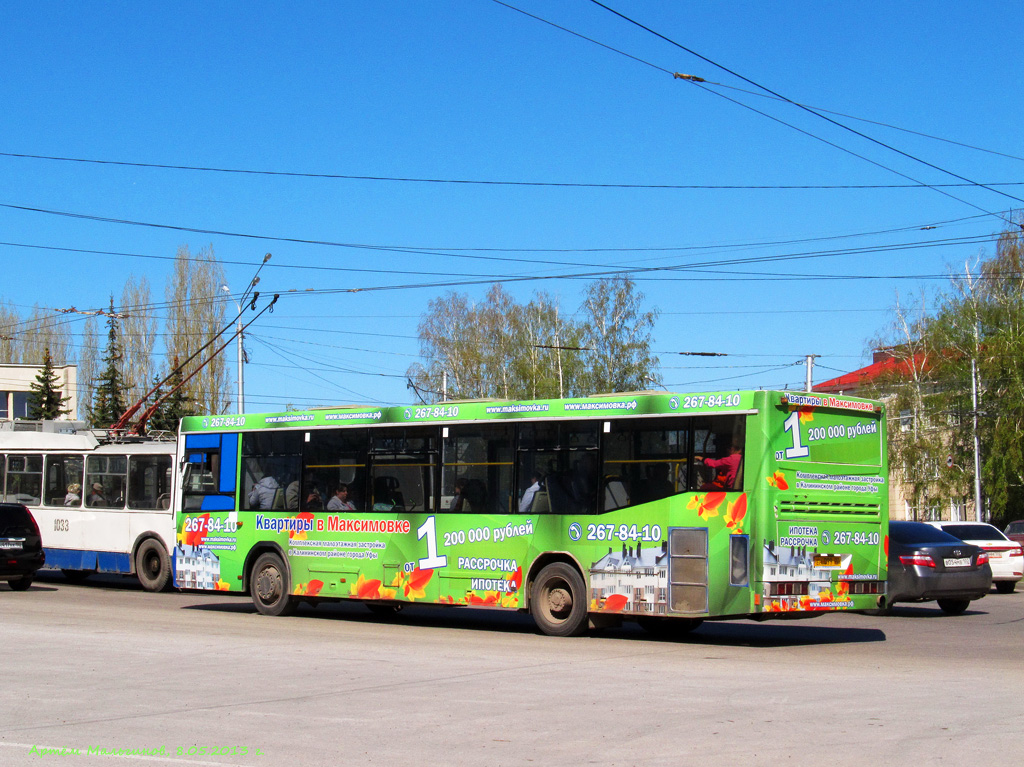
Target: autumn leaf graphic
x=615 y=603
x=197 y=535
x=806 y=411
x=516 y=579
x=734 y=514
x=778 y=479
x=364 y=589
x=300 y=536
x=706 y=505
x=418 y=580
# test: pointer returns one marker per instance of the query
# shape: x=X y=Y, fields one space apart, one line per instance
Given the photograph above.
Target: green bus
x=663 y=508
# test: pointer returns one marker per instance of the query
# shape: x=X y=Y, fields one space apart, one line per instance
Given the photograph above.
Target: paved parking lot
x=201 y=679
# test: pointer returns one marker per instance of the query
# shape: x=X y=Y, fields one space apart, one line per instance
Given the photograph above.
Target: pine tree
x=46 y=402
x=109 y=400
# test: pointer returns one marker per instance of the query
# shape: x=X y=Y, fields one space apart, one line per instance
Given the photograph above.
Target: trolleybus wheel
x=953 y=606
x=152 y=565
x=77 y=576
x=668 y=627
x=558 y=601
x=270 y=587
x=384 y=609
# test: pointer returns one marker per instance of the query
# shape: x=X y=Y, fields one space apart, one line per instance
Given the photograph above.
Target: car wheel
x=1005 y=587
x=21 y=584
x=953 y=606
x=152 y=565
x=270 y=587
x=558 y=601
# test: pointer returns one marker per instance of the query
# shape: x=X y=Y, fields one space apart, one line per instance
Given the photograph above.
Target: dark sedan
x=926 y=563
x=21 y=547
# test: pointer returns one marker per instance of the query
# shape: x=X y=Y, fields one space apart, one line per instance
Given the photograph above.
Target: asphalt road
x=201 y=679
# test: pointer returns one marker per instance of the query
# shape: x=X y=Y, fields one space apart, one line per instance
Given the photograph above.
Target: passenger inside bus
x=526 y=504
x=96 y=497
x=725 y=468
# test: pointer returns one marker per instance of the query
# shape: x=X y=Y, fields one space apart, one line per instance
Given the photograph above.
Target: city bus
x=102 y=503
x=668 y=509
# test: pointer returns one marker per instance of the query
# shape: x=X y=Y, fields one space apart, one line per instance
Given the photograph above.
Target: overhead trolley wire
x=819 y=115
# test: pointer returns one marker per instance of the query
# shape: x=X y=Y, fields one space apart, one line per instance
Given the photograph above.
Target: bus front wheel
x=152 y=565
x=270 y=586
x=558 y=601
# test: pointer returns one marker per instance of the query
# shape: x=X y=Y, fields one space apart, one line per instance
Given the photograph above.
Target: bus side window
x=720 y=439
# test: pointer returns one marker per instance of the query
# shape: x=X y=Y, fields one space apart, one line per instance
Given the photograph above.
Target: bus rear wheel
x=270 y=587
x=152 y=565
x=558 y=601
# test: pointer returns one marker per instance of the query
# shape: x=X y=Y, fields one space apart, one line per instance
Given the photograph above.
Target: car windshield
x=974 y=532
x=918 y=532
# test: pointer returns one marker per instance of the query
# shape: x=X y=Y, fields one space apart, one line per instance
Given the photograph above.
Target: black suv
x=21 y=546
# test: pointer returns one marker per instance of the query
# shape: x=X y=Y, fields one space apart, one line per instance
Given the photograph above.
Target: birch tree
x=139 y=332
x=196 y=313
x=618 y=334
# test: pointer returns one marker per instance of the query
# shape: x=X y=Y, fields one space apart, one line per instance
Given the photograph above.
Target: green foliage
x=502 y=349
x=46 y=402
x=109 y=399
x=618 y=333
x=979 y=321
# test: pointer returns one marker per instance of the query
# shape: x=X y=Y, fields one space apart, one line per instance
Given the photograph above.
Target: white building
x=16 y=389
x=640 y=576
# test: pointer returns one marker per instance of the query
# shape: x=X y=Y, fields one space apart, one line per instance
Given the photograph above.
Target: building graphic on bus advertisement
x=651 y=506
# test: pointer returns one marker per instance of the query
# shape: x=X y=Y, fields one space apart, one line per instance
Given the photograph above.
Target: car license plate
x=10 y=545
x=964 y=562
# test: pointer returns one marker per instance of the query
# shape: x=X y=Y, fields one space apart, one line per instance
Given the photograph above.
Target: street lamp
x=241 y=353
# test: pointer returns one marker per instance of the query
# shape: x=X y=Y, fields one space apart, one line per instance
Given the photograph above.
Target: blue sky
x=472 y=90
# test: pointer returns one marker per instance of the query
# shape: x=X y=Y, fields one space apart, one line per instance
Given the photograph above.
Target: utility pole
x=978 y=512
x=810 y=370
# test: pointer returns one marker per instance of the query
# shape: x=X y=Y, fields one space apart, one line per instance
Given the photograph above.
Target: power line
x=500 y=182
x=753 y=93
x=810 y=111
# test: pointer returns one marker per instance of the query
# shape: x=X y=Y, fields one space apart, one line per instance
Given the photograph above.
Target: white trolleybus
x=102 y=503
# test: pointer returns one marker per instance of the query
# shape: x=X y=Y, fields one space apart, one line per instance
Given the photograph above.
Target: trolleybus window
x=105 y=478
x=63 y=471
x=24 y=479
x=149 y=482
